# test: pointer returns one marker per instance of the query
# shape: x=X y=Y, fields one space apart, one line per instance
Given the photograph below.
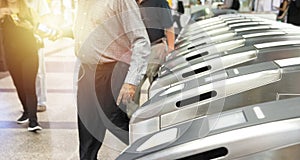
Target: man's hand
x=170 y=49
x=59 y=34
x=126 y=93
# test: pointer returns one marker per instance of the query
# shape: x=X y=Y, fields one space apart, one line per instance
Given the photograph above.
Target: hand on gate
x=126 y=94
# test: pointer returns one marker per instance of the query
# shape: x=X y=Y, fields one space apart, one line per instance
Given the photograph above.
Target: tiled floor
x=59 y=138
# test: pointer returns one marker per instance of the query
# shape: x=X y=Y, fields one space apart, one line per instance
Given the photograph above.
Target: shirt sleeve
x=166 y=15
x=228 y=3
x=43 y=8
x=140 y=45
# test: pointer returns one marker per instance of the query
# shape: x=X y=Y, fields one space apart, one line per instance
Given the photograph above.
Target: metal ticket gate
x=207 y=38
x=283 y=48
x=225 y=41
x=217 y=29
x=228 y=135
x=205 y=25
x=240 y=91
x=236 y=87
x=186 y=56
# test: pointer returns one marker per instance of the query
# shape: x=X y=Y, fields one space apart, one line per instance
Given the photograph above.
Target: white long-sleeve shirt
x=112 y=30
x=39 y=6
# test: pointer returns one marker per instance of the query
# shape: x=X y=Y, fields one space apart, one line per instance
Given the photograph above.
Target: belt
x=160 y=40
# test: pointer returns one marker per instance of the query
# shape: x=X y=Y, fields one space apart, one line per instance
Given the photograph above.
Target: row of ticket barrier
x=228 y=91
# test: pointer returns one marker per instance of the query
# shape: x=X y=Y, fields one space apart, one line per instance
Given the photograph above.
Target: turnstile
x=218 y=28
x=221 y=21
x=228 y=135
x=210 y=22
x=210 y=38
x=185 y=56
x=207 y=12
x=285 y=47
x=214 y=99
x=235 y=88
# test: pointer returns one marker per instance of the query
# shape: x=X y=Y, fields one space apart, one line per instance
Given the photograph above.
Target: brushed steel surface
x=263 y=141
x=240 y=143
x=216 y=64
x=224 y=88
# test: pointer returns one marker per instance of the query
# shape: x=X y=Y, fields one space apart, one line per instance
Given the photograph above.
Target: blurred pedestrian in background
x=282 y=10
x=157 y=17
x=293 y=16
x=20 y=45
x=179 y=7
x=42 y=9
x=230 y=4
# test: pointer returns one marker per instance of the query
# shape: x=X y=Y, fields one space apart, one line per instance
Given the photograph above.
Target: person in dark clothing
x=293 y=16
x=158 y=20
x=230 y=4
x=20 y=46
x=283 y=7
x=177 y=15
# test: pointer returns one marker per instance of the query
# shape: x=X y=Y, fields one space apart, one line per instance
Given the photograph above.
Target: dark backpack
x=235 y=5
x=180 y=7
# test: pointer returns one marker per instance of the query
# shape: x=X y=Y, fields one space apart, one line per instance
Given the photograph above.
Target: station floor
x=59 y=138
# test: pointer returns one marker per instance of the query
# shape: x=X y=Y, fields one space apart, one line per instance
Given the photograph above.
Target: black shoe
x=34 y=126
x=23 y=119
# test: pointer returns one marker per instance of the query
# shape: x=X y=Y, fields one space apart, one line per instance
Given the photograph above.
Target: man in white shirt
x=112 y=45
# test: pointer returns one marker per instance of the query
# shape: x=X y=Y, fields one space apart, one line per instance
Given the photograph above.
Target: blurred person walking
x=112 y=46
x=157 y=17
x=230 y=4
x=293 y=16
x=179 y=10
x=21 y=49
x=42 y=8
x=282 y=10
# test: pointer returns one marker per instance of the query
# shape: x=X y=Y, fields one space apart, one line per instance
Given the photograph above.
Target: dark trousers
x=23 y=70
x=98 y=88
x=176 y=19
x=294 y=13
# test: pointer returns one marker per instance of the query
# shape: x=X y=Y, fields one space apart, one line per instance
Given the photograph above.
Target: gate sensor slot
x=197 y=71
x=212 y=154
x=196 y=46
x=197 y=56
x=195 y=99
